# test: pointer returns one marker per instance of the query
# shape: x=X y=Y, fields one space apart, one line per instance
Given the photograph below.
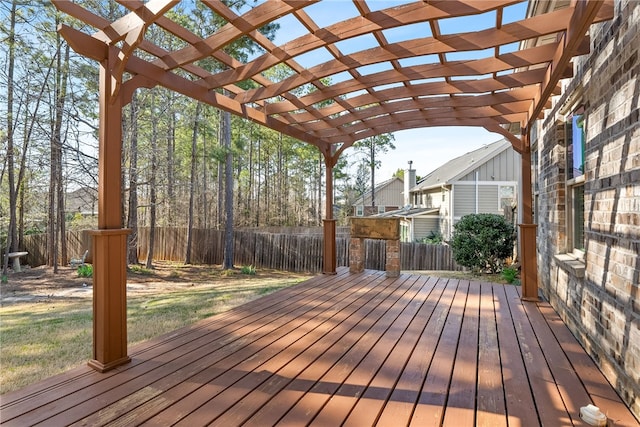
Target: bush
x=248 y=269
x=85 y=270
x=434 y=238
x=510 y=274
x=482 y=242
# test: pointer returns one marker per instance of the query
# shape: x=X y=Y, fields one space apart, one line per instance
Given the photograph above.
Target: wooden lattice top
x=315 y=87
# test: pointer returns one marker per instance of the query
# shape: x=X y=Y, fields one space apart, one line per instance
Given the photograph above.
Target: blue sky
x=428 y=148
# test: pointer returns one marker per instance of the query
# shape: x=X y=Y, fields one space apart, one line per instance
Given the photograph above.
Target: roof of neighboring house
x=379 y=187
x=460 y=166
x=409 y=213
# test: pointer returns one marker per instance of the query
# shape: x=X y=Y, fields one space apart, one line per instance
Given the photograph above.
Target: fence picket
x=302 y=251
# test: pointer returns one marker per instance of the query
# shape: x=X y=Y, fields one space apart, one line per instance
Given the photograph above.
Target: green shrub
x=510 y=274
x=248 y=269
x=482 y=242
x=85 y=270
x=138 y=269
x=434 y=238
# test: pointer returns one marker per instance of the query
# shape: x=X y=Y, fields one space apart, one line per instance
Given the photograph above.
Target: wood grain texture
x=354 y=349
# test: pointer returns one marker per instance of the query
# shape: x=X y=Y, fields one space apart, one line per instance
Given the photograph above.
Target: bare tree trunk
x=52 y=259
x=21 y=191
x=373 y=175
x=62 y=72
x=280 y=178
x=152 y=186
x=12 y=239
x=192 y=188
x=250 y=185
x=132 y=220
x=204 y=220
x=258 y=187
x=219 y=218
x=171 y=138
x=265 y=186
x=320 y=163
x=228 y=192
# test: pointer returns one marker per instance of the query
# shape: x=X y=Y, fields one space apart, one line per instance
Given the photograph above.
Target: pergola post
x=329 y=223
x=528 y=230
x=110 y=240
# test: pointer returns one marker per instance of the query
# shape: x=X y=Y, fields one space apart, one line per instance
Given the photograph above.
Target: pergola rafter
x=337 y=91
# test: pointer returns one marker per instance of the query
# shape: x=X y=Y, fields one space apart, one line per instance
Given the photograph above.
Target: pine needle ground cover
x=46 y=319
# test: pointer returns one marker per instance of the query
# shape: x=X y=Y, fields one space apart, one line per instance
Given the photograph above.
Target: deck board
x=491 y=409
x=350 y=349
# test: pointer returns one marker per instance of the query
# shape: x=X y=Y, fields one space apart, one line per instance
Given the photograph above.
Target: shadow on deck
x=353 y=349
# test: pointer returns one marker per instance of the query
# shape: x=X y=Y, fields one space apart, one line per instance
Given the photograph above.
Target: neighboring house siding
x=430 y=199
x=388 y=196
x=503 y=167
x=464 y=200
x=445 y=215
x=598 y=298
x=488 y=199
x=422 y=227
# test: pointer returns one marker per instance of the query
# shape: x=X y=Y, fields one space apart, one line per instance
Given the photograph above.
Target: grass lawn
x=49 y=335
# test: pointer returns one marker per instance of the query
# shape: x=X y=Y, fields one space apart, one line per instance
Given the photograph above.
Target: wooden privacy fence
x=290 y=252
x=78 y=242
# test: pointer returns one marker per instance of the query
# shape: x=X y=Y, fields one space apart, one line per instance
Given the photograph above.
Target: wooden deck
x=352 y=349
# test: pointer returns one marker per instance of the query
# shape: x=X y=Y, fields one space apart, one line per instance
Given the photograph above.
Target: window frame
x=535 y=170
x=573 y=183
x=501 y=199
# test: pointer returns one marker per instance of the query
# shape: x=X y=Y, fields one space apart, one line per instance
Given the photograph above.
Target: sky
x=430 y=148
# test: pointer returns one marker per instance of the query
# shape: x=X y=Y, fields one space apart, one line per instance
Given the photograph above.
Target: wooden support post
x=109 y=299
x=329 y=249
x=528 y=246
x=110 y=240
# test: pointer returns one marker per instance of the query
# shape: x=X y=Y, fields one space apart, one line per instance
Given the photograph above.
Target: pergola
x=384 y=87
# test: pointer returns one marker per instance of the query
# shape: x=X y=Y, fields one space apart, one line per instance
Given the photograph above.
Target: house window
x=577 y=226
x=535 y=174
x=381 y=209
x=507 y=197
x=576 y=142
x=359 y=210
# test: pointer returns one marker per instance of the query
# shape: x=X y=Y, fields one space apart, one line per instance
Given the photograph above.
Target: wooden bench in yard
x=15 y=256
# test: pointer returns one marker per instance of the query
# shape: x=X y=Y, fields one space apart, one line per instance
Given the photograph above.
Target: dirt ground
x=40 y=284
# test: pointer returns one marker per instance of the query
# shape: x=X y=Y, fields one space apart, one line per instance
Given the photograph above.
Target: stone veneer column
x=393 y=258
x=356 y=255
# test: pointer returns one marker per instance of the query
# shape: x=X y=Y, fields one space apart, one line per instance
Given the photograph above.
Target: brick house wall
x=598 y=296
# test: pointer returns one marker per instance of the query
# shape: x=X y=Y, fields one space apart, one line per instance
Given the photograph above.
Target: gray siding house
x=388 y=197
x=482 y=181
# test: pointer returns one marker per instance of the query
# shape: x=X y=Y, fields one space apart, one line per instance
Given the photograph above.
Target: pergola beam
x=481 y=40
x=585 y=13
x=91 y=47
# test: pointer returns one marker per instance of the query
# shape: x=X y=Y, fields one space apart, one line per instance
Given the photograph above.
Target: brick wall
x=599 y=299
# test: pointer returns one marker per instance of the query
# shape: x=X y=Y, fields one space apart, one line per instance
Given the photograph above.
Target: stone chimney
x=409 y=183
